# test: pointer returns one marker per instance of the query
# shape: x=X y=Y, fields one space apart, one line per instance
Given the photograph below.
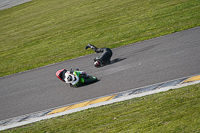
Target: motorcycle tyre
x=89 y=80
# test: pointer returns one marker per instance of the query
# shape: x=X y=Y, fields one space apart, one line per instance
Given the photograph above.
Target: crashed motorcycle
x=75 y=78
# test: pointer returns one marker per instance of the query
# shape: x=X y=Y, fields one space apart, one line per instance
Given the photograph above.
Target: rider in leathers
x=104 y=58
x=75 y=77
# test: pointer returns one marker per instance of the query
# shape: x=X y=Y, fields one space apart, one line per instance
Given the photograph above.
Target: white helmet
x=68 y=77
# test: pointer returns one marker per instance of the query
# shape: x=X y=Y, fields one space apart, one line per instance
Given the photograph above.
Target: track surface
x=4 y=4
x=140 y=64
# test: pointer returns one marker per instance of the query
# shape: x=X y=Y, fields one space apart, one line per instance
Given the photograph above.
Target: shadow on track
x=117 y=60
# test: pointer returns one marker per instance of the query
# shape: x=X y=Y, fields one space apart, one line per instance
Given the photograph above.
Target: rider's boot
x=88 y=46
x=91 y=46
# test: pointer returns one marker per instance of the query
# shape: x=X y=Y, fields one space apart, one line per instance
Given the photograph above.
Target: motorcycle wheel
x=91 y=79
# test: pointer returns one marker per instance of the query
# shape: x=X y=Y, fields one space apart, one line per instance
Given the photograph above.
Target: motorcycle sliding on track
x=75 y=78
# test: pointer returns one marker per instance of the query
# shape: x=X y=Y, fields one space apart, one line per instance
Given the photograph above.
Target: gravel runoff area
x=4 y=4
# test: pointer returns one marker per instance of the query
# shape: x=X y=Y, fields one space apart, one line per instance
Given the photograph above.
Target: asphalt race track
x=4 y=4
x=140 y=64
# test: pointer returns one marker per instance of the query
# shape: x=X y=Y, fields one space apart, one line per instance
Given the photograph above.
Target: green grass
x=172 y=111
x=42 y=32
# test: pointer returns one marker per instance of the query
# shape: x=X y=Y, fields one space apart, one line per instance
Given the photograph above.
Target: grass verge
x=42 y=32
x=172 y=111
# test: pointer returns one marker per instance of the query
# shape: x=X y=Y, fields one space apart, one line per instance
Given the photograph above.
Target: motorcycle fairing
x=61 y=74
